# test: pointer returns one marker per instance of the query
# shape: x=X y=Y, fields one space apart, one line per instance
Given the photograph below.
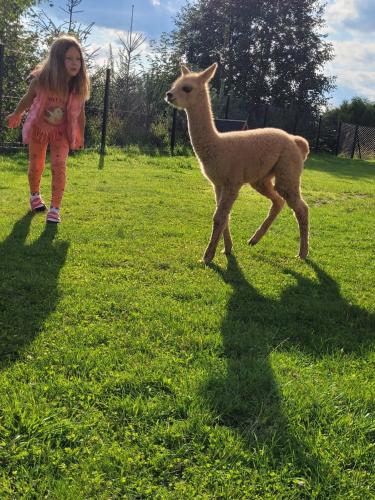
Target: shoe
x=53 y=216
x=37 y=204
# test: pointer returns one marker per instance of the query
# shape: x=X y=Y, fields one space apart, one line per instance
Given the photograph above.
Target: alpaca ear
x=209 y=73
x=185 y=70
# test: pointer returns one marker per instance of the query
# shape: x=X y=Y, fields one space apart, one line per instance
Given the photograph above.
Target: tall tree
x=20 y=46
x=129 y=55
x=357 y=111
x=127 y=85
x=269 y=52
x=163 y=65
x=48 y=30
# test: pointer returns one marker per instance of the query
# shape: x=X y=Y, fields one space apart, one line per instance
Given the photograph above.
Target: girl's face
x=72 y=61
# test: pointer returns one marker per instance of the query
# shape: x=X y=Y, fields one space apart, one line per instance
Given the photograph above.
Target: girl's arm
x=82 y=117
x=14 y=119
x=82 y=124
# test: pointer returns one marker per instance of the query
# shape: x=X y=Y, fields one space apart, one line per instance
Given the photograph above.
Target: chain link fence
x=356 y=141
x=166 y=131
x=341 y=139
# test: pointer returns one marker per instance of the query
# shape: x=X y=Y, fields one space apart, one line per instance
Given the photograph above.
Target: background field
x=128 y=369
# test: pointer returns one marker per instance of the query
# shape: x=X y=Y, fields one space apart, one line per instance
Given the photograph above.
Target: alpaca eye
x=187 y=89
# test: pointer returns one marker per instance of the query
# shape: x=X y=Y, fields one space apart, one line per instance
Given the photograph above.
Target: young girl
x=55 y=100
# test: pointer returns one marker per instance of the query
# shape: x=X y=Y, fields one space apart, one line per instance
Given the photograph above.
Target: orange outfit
x=55 y=121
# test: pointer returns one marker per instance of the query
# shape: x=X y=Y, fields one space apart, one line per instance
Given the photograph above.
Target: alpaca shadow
x=28 y=286
x=310 y=317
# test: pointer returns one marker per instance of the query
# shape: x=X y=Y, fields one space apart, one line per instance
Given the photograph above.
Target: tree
x=129 y=55
x=19 y=59
x=20 y=45
x=127 y=100
x=48 y=30
x=358 y=111
x=269 y=52
x=163 y=67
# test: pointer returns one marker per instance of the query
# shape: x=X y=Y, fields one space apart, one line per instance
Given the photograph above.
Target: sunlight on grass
x=130 y=370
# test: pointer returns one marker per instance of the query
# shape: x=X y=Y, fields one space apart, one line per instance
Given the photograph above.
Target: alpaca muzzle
x=169 y=97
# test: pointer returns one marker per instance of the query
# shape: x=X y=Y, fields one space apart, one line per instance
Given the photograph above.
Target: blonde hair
x=52 y=75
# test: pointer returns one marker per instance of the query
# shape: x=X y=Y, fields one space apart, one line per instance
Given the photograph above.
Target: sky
x=350 y=27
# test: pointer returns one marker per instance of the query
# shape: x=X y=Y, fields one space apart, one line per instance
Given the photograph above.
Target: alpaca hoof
x=302 y=255
x=226 y=252
x=253 y=240
x=207 y=258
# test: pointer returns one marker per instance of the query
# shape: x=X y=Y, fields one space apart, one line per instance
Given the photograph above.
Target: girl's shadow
x=28 y=286
x=311 y=317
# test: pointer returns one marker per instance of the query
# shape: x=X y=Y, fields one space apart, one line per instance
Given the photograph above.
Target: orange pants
x=59 y=149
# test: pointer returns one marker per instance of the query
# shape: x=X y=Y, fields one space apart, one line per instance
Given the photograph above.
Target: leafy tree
x=19 y=59
x=19 y=46
x=358 y=111
x=269 y=52
x=130 y=57
x=163 y=68
x=48 y=30
x=127 y=87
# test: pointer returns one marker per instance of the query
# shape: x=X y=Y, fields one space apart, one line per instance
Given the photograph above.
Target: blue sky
x=151 y=17
x=350 y=27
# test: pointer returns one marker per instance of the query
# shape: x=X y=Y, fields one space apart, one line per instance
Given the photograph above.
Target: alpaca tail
x=303 y=146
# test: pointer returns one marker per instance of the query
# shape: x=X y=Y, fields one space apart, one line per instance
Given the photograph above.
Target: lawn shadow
x=311 y=317
x=342 y=167
x=28 y=286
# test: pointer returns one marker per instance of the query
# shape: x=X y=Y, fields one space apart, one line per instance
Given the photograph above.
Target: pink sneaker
x=53 y=216
x=37 y=204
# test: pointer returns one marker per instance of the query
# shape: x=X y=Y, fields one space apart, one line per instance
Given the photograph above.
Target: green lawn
x=130 y=370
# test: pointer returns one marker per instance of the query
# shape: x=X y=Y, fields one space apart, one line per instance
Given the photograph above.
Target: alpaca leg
x=228 y=245
x=265 y=187
x=301 y=211
x=220 y=220
x=287 y=183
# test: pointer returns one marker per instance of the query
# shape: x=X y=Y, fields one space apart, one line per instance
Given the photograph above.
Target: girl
x=56 y=99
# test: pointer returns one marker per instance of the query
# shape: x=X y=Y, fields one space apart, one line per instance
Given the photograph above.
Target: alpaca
x=268 y=159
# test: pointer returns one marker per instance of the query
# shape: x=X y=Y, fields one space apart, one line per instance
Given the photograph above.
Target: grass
x=130 y=370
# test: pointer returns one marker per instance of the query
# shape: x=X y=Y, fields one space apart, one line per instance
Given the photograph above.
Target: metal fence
x=103 y=122
x=105 y=125
x=356 y=141
x=341 y=139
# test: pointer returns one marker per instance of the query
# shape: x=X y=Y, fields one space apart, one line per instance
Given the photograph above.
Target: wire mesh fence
x=165 y=130
x=357 y=141
x=168 y=132
x=366 y=142
x=342 y=139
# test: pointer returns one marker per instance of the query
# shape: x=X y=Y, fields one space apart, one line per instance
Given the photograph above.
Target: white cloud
x=171 y=6
x=349 y=25
x=340 y=11
x=350 y=17
x=354 y=66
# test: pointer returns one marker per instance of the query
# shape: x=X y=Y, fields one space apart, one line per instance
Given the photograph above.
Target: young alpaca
x=229 y=160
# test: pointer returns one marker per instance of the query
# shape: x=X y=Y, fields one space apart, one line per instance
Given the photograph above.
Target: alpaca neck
x=202 y=131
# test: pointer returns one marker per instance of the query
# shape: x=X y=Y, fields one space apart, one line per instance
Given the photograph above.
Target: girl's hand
x=14 y=120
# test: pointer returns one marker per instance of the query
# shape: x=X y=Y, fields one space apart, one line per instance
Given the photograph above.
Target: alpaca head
x=189 y=87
